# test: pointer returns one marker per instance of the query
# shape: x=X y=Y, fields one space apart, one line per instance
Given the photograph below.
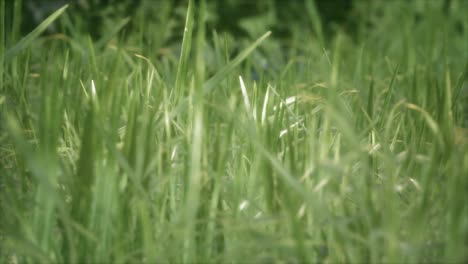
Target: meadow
x=162 y=138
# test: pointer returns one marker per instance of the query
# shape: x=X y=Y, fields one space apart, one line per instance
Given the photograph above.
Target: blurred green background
x=232 y=16
x=239 y=18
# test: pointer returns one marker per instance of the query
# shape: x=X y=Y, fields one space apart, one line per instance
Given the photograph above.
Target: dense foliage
x=233 y=131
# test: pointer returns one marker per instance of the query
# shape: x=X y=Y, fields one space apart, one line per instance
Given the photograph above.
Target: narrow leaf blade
x=223 y=73
x=28 y=39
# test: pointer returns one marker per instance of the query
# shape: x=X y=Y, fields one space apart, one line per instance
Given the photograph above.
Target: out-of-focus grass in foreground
x=217 y=149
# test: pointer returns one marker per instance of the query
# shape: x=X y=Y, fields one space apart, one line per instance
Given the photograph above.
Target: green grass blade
x=185 y=52
x=2 y=40
x=101 y=43
x=223 y=72
x=28 y=39
x=316 y=21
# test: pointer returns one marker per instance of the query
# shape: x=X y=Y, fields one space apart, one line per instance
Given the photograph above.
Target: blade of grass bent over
x=28 y=39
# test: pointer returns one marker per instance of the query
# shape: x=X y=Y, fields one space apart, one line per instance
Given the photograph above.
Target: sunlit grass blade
x=222 y=73
x=431 y=123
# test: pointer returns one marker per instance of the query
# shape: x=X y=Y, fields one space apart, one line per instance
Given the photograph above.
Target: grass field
x=343 y=147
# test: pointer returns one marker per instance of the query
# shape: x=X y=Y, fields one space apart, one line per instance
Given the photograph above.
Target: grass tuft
x=164 y=139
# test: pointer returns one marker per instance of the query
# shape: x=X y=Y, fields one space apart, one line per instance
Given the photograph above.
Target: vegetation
x=158 y=138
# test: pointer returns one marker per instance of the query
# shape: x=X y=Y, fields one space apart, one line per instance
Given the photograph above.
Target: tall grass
x=340 y=149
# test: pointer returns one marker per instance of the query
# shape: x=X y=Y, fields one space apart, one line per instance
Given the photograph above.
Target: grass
x=348 y=148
